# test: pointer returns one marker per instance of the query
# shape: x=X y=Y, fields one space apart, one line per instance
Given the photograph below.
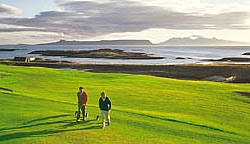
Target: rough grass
x=37 y=106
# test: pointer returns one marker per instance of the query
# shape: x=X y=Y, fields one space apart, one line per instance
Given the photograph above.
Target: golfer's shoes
x=76 y=113
x=97 y=117
x=103 y=125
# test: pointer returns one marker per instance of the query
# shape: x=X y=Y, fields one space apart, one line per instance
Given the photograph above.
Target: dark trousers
x=81 y=108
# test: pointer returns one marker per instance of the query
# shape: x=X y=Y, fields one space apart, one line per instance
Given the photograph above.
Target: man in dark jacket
x=105 y=107
x=82 y=102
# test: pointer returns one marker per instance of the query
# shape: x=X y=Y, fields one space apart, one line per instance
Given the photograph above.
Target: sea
x=171 y=54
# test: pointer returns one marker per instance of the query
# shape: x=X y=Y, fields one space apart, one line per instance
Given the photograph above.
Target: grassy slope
x=146 y=109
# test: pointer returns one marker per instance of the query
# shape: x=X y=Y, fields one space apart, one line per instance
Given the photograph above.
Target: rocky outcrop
x=220 y=79
x=101 y=53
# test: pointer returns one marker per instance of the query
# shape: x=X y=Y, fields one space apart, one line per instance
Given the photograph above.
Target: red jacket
x=82 y=97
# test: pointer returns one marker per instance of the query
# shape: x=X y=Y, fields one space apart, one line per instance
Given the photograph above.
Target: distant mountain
x=102 y=42
x=196 y=40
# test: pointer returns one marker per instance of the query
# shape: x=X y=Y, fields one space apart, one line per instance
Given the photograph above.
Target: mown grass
x=37 y=106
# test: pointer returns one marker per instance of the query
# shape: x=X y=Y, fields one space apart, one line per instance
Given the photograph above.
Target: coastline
x=182 y=71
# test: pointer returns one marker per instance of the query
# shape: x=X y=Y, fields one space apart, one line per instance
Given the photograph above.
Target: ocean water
x=193 y=55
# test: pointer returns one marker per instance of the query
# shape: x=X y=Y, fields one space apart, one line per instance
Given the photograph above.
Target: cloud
x=85 y=19
x=21 y=29
x=7 y=9
x=28 y=37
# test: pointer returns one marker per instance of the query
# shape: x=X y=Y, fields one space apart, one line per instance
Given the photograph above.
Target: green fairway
x=37 y=106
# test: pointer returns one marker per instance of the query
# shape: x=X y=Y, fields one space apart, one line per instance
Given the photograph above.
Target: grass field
x=37 y=106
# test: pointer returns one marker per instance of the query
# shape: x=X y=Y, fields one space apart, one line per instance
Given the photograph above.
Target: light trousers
x=105 y=116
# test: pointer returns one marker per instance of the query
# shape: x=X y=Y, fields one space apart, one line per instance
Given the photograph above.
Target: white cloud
x=86 y=19
x=93 y=19
x=187 y=6
x=201 y=6
x=30 y=37
x=7 y=9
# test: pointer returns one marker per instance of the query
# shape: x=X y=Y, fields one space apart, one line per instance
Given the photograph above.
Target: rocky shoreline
x=211 y=72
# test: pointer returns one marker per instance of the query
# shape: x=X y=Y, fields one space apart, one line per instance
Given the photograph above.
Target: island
x=248 y=53
x=230 y=59
x=196 y=40
x=100 y=53
x=101 y=42
x=10 y=50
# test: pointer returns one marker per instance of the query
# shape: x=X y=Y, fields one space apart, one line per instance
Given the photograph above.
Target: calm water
x=170 y=53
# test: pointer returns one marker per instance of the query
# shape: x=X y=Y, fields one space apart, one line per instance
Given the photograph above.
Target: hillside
x=202 y=41
x=37 y=106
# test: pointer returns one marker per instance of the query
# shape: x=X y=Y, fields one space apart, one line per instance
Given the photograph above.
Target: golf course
x=37 y=106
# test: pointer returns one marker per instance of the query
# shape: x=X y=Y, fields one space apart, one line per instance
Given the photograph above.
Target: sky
x=41 y=21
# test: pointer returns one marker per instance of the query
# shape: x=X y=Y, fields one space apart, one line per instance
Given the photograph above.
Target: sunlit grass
x=146 y=109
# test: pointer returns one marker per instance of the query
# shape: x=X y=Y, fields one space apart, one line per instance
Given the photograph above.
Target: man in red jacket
x=82 y=101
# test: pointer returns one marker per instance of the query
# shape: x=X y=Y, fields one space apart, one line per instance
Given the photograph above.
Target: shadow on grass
x=181 y=122
x=6 y=89
x=41 y=133
x=47 y=132
x=71 y=123
x=47 y=118
x=244 y=94
x=10 y=94
x=28 y=125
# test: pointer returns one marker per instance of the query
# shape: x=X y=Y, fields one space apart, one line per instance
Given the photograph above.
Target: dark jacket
x=105 y=105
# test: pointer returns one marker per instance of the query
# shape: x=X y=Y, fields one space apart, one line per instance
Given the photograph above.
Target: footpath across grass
x=37 y=106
